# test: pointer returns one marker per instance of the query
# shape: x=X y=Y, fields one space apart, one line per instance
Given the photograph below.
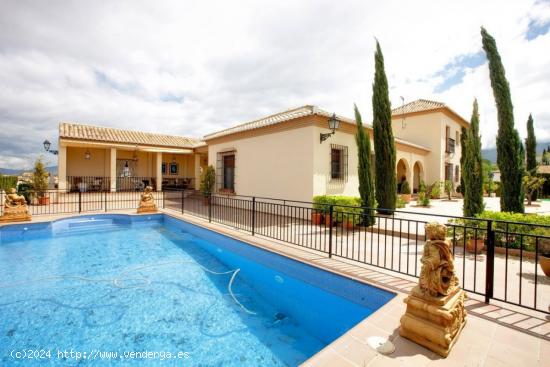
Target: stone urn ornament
x=15 y=208
x=147 y=202
x=435 y=307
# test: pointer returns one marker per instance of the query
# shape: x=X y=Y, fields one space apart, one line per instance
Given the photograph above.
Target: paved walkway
x=454 y=208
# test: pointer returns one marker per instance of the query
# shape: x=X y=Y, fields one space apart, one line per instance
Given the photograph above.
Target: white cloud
x=117 y=63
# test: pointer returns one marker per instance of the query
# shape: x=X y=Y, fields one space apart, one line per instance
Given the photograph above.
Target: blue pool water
x=116 y=283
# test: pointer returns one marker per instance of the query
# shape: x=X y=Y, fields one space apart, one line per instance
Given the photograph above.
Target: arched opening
x=402 y=173
x=418 y=175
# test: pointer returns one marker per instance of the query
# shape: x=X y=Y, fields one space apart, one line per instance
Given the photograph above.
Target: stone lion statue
x=147 y=202
x=13 y=200
x=437 y=276
x=147 y=195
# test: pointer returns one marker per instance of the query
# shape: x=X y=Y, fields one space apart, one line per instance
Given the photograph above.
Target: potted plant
x=39 y=181
x=405 y=192
x=544 y=255
x=319 y=209
x=475 y=245
x=208 y=181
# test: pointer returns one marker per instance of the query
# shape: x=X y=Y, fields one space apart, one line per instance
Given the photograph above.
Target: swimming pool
x=122 y=284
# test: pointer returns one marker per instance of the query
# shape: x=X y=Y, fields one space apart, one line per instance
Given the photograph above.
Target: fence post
x=162 y=199
x=490 y=266
x=253 y=215
x=80 y=201
x=105 y=196
x=210 y=208
x=182 y=201
x=331 y=212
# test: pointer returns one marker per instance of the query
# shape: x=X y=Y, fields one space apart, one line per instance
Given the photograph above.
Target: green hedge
x=346 y=208
x=8 y=182
x=530 y=226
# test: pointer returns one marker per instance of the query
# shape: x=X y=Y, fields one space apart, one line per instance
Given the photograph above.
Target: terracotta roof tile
x=277 y=118
x=292 y=114
x=418 y=106
x=107 y=134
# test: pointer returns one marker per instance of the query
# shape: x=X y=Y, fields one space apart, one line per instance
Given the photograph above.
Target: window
x=229 y=172
x=225 y=171
x=457 y=173
x=449 y=142
x=448 y=172
x=338 y=162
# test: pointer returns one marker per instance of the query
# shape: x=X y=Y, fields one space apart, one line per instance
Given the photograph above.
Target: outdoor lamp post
x=47 y=146
x=333 y=124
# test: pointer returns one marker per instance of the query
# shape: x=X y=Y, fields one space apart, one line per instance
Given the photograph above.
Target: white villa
x=278 y=156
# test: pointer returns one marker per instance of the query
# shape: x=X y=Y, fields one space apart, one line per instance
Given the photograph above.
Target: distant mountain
x=491 y=154
x=16 y=172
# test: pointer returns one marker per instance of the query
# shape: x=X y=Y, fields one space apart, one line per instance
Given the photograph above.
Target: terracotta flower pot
x=44 y=200
x=327 y=221
x=405 y=197
x=316 y=218
x=476 y=246
x=348 y=224
x=544 y=262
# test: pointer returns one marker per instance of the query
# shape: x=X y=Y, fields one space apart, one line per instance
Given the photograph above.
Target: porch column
x=62 y=168
x=197 y=171
x=112 y=174
x=159 y=171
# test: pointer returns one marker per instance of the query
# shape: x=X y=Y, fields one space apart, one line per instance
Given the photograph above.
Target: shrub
x=435 y=192
x=405 y=188
x=321 y=203
x=423 y=199
x=345 y=208
x=208 y=181
x=422 y=186
x=8 y=182
x=520 y=228
x=400 y=202
x=39 y=179
x=448 y=189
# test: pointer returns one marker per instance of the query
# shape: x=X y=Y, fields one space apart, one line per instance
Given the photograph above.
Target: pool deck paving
x=496 y=334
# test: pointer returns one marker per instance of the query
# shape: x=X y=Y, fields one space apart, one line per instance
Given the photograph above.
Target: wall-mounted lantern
x=47 y=146
x=87 y=155
x=333 y=124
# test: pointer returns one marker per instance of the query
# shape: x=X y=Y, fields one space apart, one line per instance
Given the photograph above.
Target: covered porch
x=91 y=163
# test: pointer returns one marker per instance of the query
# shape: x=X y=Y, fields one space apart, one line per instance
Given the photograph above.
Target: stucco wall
x=429 y=130
x=97 y=165
x=322 y=182
x=424 y=130
x=277 y=165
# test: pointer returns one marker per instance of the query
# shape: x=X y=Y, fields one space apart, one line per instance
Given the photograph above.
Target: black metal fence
x=495 y=259
x=53 y=202
x=100 y=184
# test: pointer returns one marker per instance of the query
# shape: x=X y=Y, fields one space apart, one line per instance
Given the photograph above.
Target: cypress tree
x=509 y=157
x=463 y=137
x=473 y=168
x=384 y=145
x=364 y=171
x=531 y=151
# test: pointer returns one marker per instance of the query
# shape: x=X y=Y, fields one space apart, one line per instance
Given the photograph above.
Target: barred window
x=338 y=162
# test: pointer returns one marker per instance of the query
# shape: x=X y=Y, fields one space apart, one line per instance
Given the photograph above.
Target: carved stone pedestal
x=147 y=209
x=17 y=214
x=434 y=323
